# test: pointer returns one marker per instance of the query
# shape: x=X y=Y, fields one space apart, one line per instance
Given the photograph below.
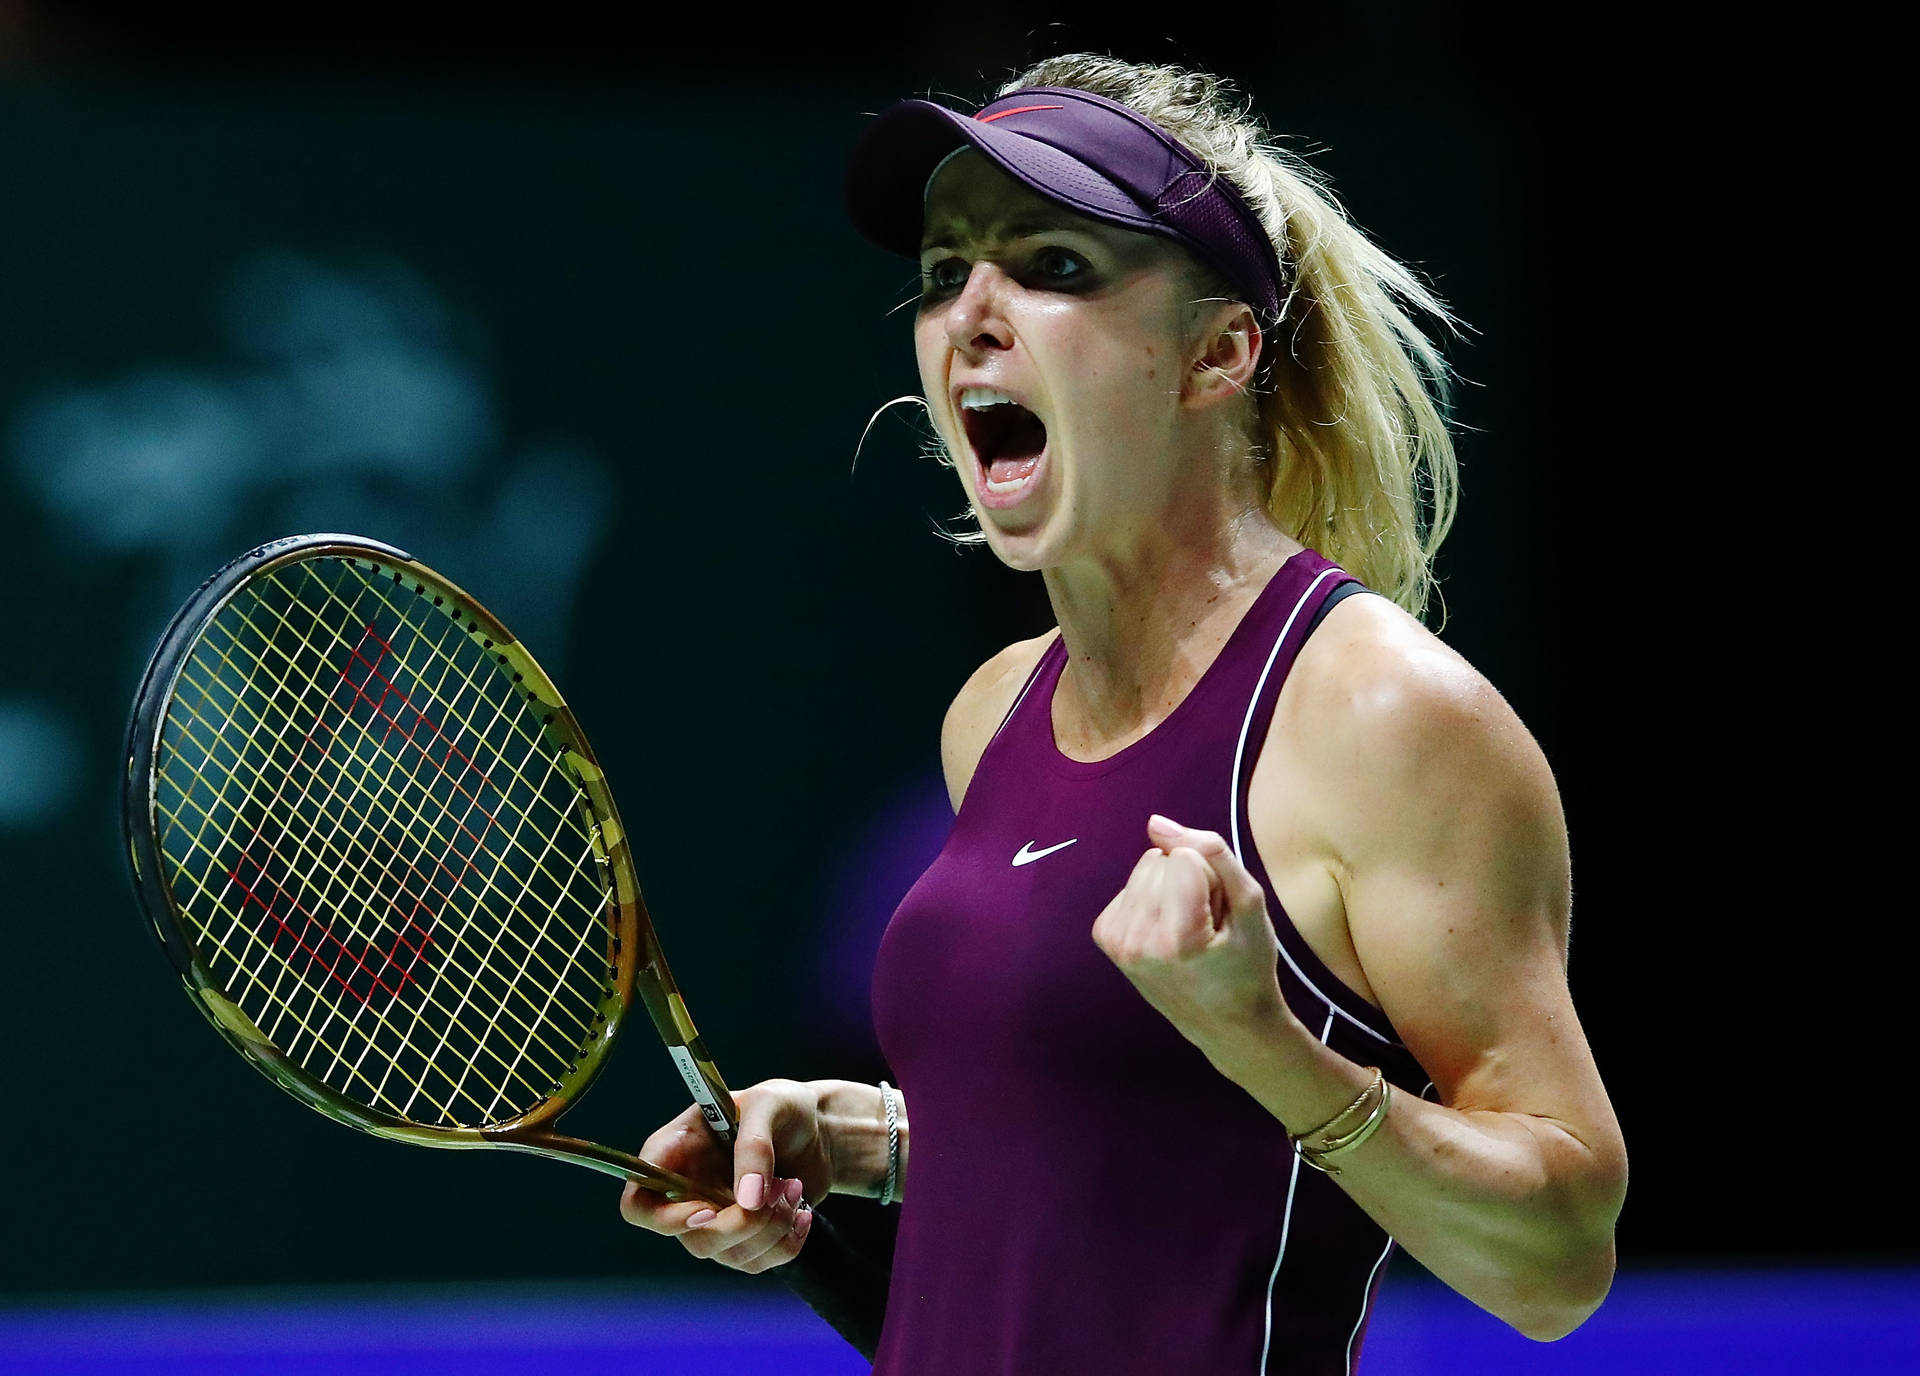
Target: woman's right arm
x=796 y=1142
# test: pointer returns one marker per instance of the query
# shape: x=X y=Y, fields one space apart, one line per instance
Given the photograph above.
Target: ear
x=1229 y=355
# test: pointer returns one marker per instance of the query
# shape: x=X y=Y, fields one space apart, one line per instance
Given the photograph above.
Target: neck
x=1141 y=629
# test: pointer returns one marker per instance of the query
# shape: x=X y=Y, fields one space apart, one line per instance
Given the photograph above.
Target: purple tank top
x=1086 y=1193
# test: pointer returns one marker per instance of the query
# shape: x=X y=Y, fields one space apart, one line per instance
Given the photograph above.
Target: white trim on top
x=1286 y=1227
x=1233 y=797
x=1032 y=679
x=1366 y=1291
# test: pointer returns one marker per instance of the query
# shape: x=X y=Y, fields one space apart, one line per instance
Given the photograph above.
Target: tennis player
x=1246 y=957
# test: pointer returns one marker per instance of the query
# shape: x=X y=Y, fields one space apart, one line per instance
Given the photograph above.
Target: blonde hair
x=1350 y=418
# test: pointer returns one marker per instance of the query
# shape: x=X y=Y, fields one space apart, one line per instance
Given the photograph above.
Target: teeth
x=980 y=398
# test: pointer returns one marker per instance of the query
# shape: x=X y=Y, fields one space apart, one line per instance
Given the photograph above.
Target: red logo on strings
x=358 y=854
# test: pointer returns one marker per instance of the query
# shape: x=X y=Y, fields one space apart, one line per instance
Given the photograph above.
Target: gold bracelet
x=1317 y=1156
x=1359 y=1102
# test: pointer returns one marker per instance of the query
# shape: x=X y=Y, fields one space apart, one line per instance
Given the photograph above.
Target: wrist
x=1250 y=1043
x=852 y=1121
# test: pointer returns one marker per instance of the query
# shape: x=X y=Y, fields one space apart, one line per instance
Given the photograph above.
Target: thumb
x=1245 y=898
x=753 y=1177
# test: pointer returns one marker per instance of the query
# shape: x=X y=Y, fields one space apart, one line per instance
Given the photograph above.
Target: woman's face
x=1081 y=326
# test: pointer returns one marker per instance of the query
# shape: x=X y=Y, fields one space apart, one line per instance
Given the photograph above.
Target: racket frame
x=634 y=954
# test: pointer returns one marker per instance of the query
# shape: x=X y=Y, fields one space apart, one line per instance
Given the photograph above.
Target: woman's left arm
x=1443 y=832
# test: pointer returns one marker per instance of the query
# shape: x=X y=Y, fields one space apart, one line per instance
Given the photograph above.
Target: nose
x=977 y=323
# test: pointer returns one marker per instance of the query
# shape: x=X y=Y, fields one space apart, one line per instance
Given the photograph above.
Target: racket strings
x=360 y=682
x=561 y=817
x=543 y=1016
x=346 y=806
x=396 y=874
x=338 y=865
x=314 y=955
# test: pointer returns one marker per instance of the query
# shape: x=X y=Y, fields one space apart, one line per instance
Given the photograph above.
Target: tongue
x=1014 y=469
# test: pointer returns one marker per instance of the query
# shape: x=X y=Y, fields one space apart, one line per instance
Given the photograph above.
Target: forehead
x=972 y=200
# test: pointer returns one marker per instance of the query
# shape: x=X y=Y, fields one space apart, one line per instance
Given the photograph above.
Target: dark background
x=569 y=310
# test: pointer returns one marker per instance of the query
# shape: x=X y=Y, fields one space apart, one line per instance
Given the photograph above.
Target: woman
x=1169 y=1105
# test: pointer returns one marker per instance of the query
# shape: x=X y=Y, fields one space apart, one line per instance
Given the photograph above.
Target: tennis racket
x=384 y=862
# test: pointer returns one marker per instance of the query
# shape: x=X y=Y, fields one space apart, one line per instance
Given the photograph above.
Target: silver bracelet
x=887 y=1195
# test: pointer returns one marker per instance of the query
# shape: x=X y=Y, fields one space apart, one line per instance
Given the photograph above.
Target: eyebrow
x=948 y=229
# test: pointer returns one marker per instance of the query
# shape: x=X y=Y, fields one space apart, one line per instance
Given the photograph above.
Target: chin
x=1026 y=551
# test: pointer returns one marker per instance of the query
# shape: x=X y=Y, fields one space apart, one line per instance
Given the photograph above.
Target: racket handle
x=842 y=1284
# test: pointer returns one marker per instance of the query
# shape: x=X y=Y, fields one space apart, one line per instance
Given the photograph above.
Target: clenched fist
x=1191 y=931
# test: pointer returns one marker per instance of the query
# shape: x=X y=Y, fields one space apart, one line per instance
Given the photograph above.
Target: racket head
x=277 y=769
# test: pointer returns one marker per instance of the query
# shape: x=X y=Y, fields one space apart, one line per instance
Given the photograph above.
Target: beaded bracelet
x=893 y=1145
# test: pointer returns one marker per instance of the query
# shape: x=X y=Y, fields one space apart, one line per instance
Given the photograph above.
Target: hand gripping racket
x=386 y=866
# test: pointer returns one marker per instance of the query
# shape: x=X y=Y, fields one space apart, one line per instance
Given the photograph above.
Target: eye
x=942 y=277
x=1056 y=266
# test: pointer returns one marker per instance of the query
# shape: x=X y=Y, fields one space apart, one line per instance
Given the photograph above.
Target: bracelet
x=1381 y=1093
x=1338 y=1121
x=893 y=1145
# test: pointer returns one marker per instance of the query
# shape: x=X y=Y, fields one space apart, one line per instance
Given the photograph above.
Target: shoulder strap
x=1038 y=665
x=1334 y=598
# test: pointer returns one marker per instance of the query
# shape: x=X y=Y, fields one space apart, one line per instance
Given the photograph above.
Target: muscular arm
x=1439 y=825
x=1445 y=834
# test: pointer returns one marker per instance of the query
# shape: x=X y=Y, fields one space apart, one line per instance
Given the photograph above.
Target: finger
x=753 y=1177
x=1202 y=891
x=1186 y=906
x=1126 y=926
x=775 y=1244
x=770 y=1123
x=787 y=1248
x=1240 y=889
x=737 y=1229
x=648 y=1209
x=738 y=1237
x=687 y=1145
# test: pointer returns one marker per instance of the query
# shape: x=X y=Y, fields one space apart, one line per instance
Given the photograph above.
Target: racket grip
x=844 y=1285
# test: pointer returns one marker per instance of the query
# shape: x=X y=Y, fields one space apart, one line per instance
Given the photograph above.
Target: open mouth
x=1008 y=440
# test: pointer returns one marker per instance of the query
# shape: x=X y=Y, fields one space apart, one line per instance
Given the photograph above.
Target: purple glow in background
x=1760 y=1323
x=889 y=854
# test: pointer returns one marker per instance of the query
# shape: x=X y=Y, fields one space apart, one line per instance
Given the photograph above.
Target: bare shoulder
x=1379 y=700
x=981 y=705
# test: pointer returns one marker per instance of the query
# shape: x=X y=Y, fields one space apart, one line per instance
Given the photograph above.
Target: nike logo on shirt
x=1027 y=854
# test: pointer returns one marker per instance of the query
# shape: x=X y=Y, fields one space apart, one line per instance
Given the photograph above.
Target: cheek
x=1123 y=385
x=927 y=354
x=931 y=354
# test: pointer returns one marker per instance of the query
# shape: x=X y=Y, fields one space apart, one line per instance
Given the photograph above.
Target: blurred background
x=567 y=308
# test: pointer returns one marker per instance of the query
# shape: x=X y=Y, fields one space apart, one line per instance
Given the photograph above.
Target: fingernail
x=752 y=1192
x=702 y=1219
x=801 y=1223
x=794 y=1190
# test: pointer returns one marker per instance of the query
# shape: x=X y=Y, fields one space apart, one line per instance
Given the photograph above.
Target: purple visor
x=1079 y=150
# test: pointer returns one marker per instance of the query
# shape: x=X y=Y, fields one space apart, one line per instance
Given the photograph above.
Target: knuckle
x=747 y=1251
x=775 y=1255
x=702 y=1244
x=644 y=1209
